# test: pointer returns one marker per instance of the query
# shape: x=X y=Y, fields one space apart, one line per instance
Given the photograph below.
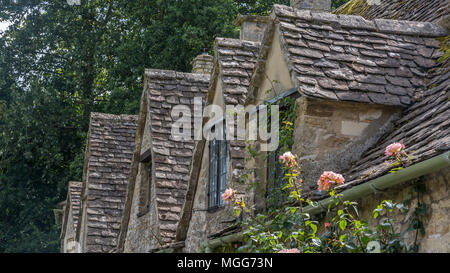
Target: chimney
x=202 y=64
x=314 y=5
x=252 y=27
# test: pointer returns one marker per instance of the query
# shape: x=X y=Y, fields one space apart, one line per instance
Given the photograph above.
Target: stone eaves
x=110 y=150
x=349 y=58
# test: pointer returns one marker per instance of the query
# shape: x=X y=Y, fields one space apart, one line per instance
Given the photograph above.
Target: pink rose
x=288 y=160
x=327 y=225
x=291 y=250
x=394 y=149
x=327 y=179
x=228 y=194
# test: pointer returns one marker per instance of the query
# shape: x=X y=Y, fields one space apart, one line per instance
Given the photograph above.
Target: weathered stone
x=336 y=48
x=319 y=46
x=352 y=96
x=423 y=62
x=424 y=29
x=404 y=82
x=331 y=84
x=316 y=5
x=374 y=79
x=384 y=99
x=306 y=52
x=306 y=70
x=373 y=53
x=340 y=74
x=352 y=21
x=307 y=80
x=388 y=63
x=296 y=42
x=367 y=87
x=325 y=63
x=397 y=90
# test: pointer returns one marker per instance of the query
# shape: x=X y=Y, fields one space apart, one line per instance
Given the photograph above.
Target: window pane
x=275 y=195
x=223 y=169
x=213 y=149
x=149 y=184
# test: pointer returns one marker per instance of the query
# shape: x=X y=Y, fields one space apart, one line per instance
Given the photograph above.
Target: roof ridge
x=112 y=116
x=170 y=74
x=389 y=26
x=233 y=42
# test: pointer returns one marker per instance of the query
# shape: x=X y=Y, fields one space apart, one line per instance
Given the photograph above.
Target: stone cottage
x=160 y=167
x=360 y=85
x=93 y=208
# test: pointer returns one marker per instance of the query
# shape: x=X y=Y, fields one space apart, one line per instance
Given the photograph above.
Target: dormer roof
x=349 y=58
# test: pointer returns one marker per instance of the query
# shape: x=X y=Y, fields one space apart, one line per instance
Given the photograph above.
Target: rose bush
x=291 y=230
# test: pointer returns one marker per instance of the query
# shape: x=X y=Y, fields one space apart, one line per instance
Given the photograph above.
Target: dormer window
x=218 y=169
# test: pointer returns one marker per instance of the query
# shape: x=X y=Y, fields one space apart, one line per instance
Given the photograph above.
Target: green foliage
x=292 y=228
x=38 y=136
x=337 y=3
x=444 y=43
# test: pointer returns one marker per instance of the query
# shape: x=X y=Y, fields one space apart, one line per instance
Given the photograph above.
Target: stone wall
x=329 y=136
x=69 y=244
x=141 y=228
x=316 y=5
x=436 y=222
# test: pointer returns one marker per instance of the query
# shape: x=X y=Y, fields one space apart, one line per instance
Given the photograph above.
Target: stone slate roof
x=349 y=58
x=172 y=158
x=110 y=150
x=412 y=10
x=424 y=129
x=234 y=62
x=74 y=195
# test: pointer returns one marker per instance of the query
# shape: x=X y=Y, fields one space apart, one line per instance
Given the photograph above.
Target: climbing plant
x=292 y=229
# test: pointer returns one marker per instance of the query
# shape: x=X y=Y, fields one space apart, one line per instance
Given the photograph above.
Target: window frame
x=218 y=172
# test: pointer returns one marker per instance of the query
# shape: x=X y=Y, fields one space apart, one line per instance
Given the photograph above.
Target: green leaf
x=343 y=224
x=314 y=228
x=375 y=214
x=238 y=212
